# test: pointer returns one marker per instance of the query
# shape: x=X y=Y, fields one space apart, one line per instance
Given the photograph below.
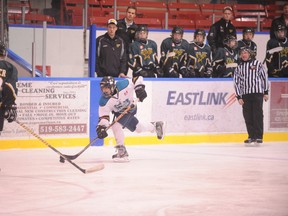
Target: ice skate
x=249 y=142
x=121 y=154
x=258 y=142
x=160 y=129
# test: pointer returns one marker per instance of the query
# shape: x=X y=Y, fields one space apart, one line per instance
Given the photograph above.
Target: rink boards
x=64 y=111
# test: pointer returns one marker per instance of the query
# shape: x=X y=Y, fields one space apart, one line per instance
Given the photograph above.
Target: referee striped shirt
x=250 y=77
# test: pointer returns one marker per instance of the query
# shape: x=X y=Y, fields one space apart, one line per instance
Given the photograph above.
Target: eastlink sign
x=196 y=98
x=197 y=106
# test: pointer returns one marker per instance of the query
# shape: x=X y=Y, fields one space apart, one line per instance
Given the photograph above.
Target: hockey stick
x=89 y=170
x=232 y=65
x=274 y=50
x=73 y=157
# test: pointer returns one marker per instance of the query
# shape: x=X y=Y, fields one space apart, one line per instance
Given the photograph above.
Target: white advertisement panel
x=52 y=109
x=197 y=106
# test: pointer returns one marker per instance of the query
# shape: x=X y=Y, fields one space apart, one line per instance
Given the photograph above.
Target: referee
x=251 y=86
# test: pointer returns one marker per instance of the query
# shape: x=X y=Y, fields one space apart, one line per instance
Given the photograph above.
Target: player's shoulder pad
x=221 y=50
x=272 y=43
x=207 y=45
x=122 y=84
x=185 y=41
x=240 y=42
x=103 y=101
x=167 y=40
x=152 y=41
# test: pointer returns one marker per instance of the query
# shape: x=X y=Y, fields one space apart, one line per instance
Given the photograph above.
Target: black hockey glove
x=159 y=71
x=173 y=73
x=208 y=72
x=141 y=94
x=184 y=72
x=191 y=72
x=11 y=113
x=101 y=131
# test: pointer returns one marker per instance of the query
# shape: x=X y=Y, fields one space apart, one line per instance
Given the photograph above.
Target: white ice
x=160 y=180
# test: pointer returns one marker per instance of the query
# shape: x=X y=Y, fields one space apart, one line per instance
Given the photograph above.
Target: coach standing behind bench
x=221 y=30
x=111 y=57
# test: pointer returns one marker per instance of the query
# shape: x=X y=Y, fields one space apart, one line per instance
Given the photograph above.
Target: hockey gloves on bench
x=11 y=113
x=101 y=131
x=141 y=94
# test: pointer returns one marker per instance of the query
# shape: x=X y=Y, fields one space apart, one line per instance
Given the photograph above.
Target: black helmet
x=177 y=30
x=142 y=28
x=245 y=48
x=199 y=32
x=248 y=30
x=107 y=82
x=280 y=27
x=139 y=29
x=3 y=49
x=228 y=39
x=248 y=50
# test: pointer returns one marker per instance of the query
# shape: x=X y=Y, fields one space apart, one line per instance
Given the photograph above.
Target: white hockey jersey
x=119 y=101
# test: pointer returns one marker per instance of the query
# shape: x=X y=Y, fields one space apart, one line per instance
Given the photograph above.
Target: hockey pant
x=130 y=122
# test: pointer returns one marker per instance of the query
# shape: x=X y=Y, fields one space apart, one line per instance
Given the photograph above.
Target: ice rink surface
x=160 y=180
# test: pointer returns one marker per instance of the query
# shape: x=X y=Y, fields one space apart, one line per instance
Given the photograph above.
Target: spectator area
x=156 y=14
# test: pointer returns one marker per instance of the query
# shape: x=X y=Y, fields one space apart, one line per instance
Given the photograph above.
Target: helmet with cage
x=108 y=86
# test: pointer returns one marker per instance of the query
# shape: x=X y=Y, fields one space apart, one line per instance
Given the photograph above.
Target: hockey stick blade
x=96 y=168
x=89 y=170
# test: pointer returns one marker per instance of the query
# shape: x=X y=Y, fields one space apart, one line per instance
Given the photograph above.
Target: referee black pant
x=253 y=115
x=2 y=112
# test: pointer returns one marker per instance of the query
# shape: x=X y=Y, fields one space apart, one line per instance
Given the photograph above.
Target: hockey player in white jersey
x=116 y=97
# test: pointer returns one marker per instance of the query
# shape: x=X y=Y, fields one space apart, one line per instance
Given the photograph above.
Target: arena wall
x=64 y=111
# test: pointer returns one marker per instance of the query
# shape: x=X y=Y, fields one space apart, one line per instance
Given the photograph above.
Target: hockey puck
x=62 y=160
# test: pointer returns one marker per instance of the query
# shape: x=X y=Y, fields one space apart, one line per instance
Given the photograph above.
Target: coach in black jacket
x=127 y=27
x=221 y=29
x=111 y=58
